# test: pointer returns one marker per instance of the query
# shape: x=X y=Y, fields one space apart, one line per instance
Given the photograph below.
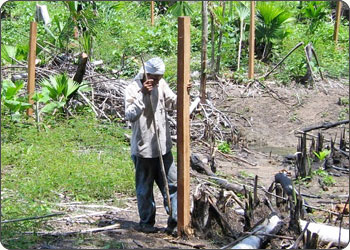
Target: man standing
x=142 y=97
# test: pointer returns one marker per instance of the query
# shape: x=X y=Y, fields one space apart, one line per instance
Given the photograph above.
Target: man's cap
x=155 y=66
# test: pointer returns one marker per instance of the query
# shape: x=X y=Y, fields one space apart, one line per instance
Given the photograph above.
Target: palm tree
x=270 y=26
x=180 y=8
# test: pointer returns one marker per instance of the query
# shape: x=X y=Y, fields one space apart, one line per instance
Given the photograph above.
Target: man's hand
x=189 y=86
x=147 y=86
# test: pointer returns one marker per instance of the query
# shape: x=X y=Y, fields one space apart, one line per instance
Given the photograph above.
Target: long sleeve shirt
x=138 y=112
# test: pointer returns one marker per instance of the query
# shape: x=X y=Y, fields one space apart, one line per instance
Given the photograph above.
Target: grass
x=80 y=158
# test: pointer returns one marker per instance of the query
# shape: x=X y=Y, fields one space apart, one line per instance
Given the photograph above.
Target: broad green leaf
x=8 y=52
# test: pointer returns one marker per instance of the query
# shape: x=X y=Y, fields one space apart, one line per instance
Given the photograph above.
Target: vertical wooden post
x=31 y=66
x=152 y=13
x=251 y=40
x=337 y=21
x=183 y=126
x=204 y=51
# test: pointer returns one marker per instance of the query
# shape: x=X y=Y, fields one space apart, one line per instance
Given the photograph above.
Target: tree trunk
x=212 y=34
x=204 y=51
x=240 y=45
x=218 y=59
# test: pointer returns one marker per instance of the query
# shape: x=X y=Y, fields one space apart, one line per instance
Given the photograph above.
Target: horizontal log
x=261 y=233
x=325 y=125
x=327 y=233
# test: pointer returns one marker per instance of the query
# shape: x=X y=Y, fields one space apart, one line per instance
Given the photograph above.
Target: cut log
x=270 y=225
x=229 y=186
x=286 y=183
x=78 y=77
x=198 y=165
x=327 y=233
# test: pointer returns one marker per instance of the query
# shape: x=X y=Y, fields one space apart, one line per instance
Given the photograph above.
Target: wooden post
x=183 y=126
x=337 y=21
x=251 y=40
x=204 y=51
x=31 y=66
x=152 y=13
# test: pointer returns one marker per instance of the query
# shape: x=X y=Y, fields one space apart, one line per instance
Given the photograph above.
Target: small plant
x=10 y=53
x=56 y=92
x=323 y=154
x=326 y=178
x=293 y=117
x=11 y=100
x=344 y=114
x=246 y=175
x=344 y=101
x=224 y=147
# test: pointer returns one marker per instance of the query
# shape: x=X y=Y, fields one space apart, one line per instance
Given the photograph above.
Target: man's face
x=155 y=78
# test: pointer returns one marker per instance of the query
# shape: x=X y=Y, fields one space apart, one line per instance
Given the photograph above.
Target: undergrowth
x=75 y=159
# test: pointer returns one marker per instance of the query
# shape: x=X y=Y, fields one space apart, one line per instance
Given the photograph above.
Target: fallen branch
x=325 y=125
x=271 y=235
x=237 y=158
x=32 y=218
x=90 y=206
x=115 y=227
x=92 y=106
x=284 y=58
x=272 y=93
x=197 y=246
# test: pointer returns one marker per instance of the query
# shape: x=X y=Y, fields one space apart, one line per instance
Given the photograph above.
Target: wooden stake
x=183 y=126
x=31 y=66
x=251 y=40
x=204 y=51
x=337 y=21
x=152 y=13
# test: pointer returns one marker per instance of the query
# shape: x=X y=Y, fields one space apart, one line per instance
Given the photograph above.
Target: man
x=144 y=145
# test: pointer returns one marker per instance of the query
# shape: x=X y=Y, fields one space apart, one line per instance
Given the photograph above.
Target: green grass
x=81 y=158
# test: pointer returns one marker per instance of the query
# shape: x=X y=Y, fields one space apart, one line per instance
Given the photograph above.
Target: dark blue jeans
x=148 y=170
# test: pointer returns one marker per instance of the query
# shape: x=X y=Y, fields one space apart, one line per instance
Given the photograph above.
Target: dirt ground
x=268 y=119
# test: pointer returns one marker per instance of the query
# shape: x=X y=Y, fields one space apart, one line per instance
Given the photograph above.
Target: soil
x=267 y=120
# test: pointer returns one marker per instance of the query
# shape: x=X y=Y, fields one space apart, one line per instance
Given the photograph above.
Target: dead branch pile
x=212 y=124
x=108 y=95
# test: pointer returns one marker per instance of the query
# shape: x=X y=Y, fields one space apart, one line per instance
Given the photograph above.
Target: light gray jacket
x=138 y=112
